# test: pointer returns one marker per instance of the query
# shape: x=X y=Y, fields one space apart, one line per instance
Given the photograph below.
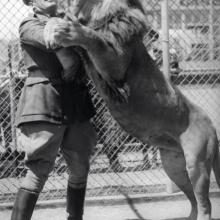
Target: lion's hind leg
x=175 y=166
x=216 y=163
x=199 y=149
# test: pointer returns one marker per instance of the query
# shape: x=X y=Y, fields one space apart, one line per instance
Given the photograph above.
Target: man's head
x=45 y=6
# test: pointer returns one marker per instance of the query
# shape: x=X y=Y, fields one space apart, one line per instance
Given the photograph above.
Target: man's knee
x=80 y=137
x=78 y=171
x=37 y=174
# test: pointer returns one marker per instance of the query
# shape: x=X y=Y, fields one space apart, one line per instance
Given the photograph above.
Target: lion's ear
x=28 y=2
x=136 y=4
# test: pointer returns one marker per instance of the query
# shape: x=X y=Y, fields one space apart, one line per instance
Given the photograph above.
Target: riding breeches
x=41 y=142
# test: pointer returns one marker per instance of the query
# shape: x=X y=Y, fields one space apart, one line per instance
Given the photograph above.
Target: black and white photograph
x=110 y=109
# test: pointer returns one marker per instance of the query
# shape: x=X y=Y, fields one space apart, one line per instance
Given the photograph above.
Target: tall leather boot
x=24 y=205
x=75 y=203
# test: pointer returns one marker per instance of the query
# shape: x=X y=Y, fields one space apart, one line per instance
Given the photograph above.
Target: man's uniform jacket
x=45 y=96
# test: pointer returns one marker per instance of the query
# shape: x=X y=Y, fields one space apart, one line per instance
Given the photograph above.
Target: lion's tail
x=216 y=165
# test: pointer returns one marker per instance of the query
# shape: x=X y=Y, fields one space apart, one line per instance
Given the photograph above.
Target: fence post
x=12 y=111
x=3 y=137
x=12 y=101
x=211 y=29
x=170 y=186
x=165 y=37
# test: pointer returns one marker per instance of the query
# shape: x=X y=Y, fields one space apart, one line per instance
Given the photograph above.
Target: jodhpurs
x=41 y=142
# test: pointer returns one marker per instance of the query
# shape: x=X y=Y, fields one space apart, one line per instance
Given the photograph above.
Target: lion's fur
x=117 y=21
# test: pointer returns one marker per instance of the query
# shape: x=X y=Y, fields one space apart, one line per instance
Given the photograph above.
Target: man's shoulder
x=34 y=19
x=30 y=17
x=29 y=20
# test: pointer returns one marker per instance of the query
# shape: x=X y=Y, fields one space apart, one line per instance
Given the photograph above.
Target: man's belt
x=43 y=75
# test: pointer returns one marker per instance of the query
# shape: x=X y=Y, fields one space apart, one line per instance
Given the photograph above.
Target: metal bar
x=11 y=94
x=211 y=29
x=3 y=137
x=165 y=37
x=170 y=186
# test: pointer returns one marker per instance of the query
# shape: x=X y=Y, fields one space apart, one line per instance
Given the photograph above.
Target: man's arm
x=31 y=32
x=108 y=45
x=108 y=61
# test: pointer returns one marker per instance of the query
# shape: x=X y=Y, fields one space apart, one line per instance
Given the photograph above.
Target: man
x=53 y=112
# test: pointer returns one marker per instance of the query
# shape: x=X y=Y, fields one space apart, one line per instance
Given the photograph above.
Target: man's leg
x=79 y=140
x=24 y=204
x=40 y=141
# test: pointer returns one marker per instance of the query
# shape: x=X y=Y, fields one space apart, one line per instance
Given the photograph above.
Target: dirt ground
x=161 y=210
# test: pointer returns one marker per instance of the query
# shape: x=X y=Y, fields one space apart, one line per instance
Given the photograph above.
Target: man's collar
x=44 y=17
x=41 y=17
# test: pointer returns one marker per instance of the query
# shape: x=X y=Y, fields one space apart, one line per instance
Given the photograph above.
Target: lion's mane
x=118 y=21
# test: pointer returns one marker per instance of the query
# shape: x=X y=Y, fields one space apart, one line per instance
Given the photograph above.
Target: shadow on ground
x=140 y=217
x=161 y=219
x=166 y=219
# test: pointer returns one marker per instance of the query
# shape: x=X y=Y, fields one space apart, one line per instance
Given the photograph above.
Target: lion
x=108 y=35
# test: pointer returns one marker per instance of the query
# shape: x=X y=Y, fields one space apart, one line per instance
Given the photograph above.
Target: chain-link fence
x=120 y=163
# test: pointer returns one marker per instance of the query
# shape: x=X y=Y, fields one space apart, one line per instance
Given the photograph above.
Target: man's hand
x=71 y=33
x=64 y=32
x=51 y=30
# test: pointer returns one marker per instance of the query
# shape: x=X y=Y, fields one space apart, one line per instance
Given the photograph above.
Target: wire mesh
x=119 y=163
